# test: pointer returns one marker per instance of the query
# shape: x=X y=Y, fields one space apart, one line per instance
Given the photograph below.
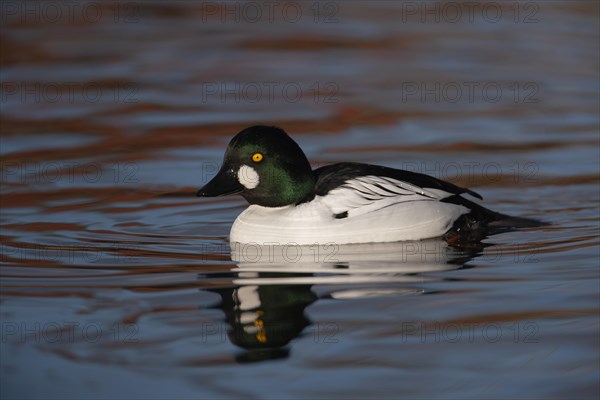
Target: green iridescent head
x=265 y=166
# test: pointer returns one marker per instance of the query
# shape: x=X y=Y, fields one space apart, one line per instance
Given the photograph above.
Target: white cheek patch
x=248 y=177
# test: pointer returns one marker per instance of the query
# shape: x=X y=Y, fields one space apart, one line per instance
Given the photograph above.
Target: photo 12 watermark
x=51 y=172
x=67 y=332
x=269 y=92
x=290 y=252
x=472 y=172
x=71 y=253
x=470 y=92
x=471 y=12
x=67 y=12
x=291 y=12
x=25 y=92
x=469 y=332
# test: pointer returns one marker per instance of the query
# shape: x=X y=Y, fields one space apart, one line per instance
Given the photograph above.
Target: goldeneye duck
x=341 y=203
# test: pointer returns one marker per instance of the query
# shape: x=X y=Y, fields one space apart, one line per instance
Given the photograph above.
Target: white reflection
x=344 y=264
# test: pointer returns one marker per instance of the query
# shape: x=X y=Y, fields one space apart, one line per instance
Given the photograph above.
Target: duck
x=341 y=203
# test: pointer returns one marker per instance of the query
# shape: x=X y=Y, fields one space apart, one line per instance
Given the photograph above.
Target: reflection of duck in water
x=265 y=309
x=265 y=318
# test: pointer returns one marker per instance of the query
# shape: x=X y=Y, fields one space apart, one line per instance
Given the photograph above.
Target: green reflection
x=263 y=319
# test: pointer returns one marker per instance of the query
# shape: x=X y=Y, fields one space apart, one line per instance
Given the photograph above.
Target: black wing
x=333 y=176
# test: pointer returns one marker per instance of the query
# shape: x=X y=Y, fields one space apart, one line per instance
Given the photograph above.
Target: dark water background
x=116 y=281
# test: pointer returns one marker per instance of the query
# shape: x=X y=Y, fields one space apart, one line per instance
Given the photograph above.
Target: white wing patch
x=369 y=193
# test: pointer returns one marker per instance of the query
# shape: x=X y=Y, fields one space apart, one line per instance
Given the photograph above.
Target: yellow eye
x=257 y=157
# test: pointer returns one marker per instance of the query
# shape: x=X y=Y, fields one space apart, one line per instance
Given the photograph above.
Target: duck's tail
x=482 y=222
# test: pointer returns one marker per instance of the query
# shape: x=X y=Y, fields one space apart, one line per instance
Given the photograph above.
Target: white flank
x=248 y=177
x=314 y=222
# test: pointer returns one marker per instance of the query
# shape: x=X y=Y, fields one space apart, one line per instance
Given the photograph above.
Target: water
x=117 y=281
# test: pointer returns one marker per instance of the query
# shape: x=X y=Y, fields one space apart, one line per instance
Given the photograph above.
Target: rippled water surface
x=118 y=282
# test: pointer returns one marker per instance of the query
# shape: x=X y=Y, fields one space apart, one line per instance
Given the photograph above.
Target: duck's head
x=265 y=166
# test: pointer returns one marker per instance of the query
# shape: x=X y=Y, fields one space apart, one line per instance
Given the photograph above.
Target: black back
x=332 y=176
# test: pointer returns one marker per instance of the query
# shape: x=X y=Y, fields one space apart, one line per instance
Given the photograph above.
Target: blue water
x=117 y=282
